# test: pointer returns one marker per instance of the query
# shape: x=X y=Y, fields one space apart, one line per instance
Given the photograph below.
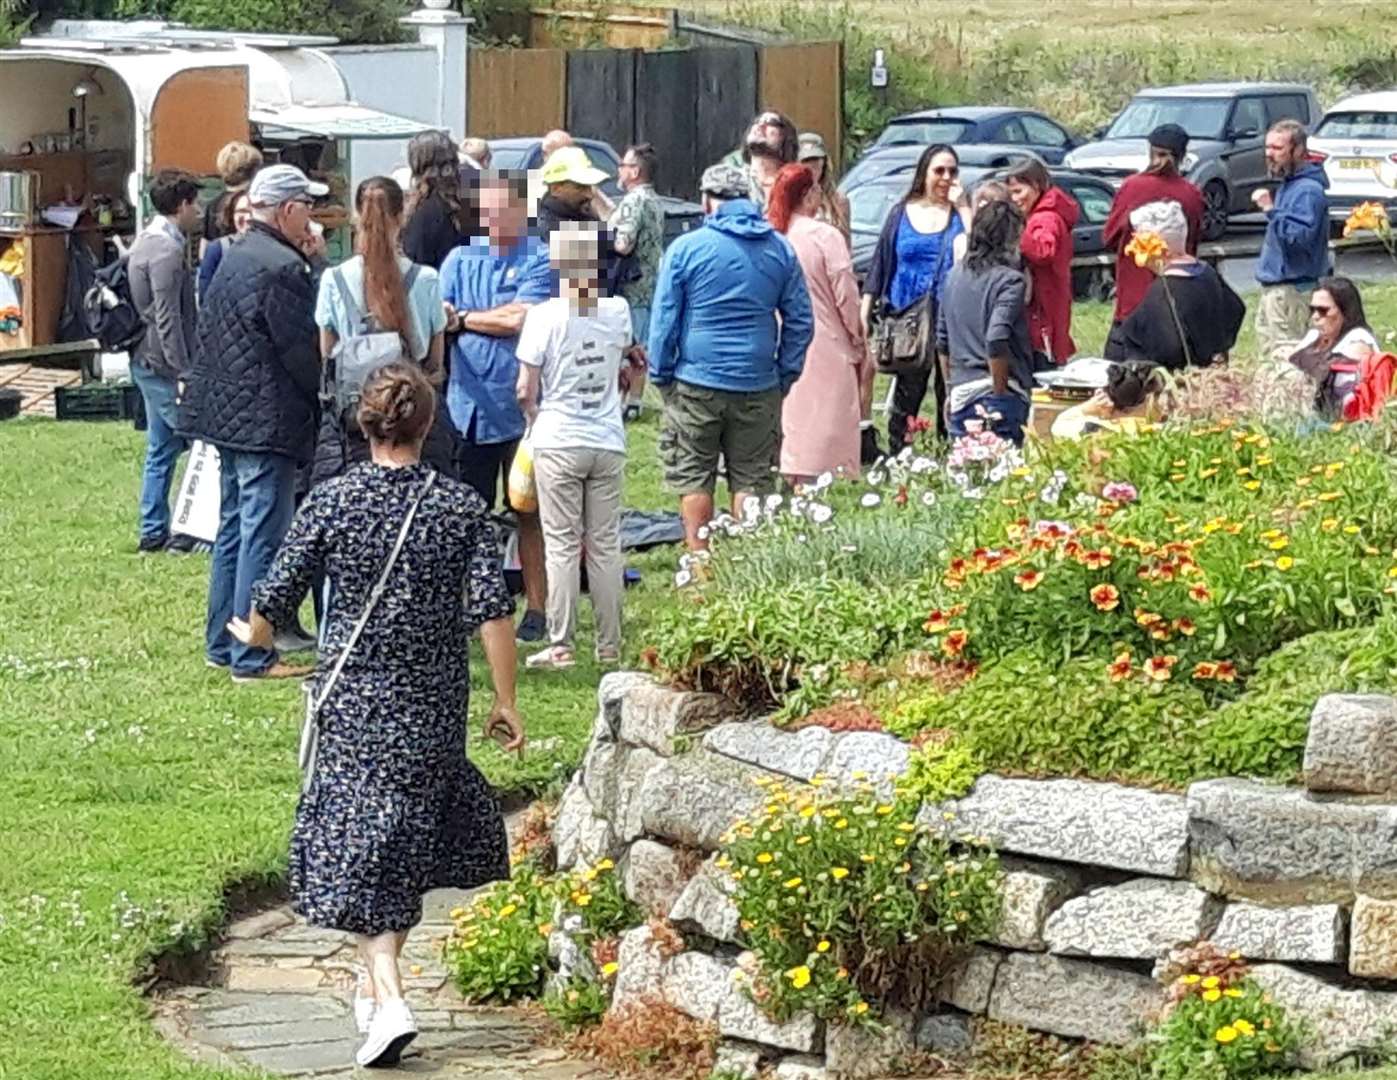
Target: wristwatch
x=461 y=320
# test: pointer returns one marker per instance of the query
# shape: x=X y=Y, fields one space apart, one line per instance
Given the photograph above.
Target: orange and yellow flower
x=938 y=622
x=1120 y=668
x=1105 y=597
x=955 y=641
x=1199 y=593
x=1028 y=580
x=1160 y=668
x=1205 y=669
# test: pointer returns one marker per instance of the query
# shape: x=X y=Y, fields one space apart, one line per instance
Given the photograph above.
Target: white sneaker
x=390 y=1031
x=364 y=1005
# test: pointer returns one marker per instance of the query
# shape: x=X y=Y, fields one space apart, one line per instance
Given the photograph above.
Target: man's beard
x=1282 y=170
x=757 y=148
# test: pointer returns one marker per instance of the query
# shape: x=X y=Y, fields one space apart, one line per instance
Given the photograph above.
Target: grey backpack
x=365 y=350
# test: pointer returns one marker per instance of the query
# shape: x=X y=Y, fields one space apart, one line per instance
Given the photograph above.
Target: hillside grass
x=1078 y=60
x=138 y=784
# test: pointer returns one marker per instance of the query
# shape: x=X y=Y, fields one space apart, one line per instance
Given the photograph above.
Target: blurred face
x=630 y=175
x=767 y=130
x=1325 y=315
x=504 y=216
x=941 y=173
x=816 y=166
x=1159 y=158
x=1022 y=194
x=1281 y=154
x=810 y=205
x=293 y=218
x=242 y=214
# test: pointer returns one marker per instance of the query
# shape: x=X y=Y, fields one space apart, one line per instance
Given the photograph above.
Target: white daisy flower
x=870 y=499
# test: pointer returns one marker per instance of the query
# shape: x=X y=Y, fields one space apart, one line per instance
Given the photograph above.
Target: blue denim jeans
x=259 y=499
x=163 y=448
x=1007 y=415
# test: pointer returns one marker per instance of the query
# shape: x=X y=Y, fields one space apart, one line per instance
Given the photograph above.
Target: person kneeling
x=571 y=353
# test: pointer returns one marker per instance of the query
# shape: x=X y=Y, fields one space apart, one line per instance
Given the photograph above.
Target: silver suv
x=1226 y=125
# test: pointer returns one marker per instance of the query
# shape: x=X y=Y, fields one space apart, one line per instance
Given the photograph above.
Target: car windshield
x=1202 y=118
x=924 y=132
x=869 y=205
x=1358 y=125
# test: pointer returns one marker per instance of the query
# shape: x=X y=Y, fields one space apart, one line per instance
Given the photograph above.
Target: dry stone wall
x=1101 y=881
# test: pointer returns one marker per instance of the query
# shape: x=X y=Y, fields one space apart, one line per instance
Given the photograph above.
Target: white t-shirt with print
x=580 y=358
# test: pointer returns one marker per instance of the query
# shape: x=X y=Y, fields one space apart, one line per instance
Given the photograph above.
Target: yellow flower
x=1225 y=1034
x=610 y=969
x=799 y=976
x=1285 y=562
x=1232 y=992
x=508 y=910
x=544 y=929
x=1252 y=485
x=884 y=810
x=1211 y=995
x=1280 y=543
x=457 y=912
x=861 y=1008
x=1212 y=982
x=903 y=867
x=822 y=947
x=801 y=841
x=1352 y=530
x=792 y=883
x=1244 y=1026
x=866 y=858
x=765 y=857
x=581 y=899
x=807 y=811
x=1188 y=980
x=606 y=864
x=839 y=873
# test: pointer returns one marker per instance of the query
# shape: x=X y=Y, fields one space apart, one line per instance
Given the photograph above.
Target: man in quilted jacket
x=252 y=394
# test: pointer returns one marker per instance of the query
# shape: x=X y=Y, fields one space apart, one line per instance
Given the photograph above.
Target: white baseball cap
x=277 y=184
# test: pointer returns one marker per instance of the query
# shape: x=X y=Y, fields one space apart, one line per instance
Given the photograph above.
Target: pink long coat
x=820 y=417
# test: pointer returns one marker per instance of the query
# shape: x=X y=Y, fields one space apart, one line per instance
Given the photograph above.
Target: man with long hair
x=771 y=142
x=1161 y=181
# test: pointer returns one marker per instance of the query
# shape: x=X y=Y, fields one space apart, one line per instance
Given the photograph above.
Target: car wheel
x=1214 y=210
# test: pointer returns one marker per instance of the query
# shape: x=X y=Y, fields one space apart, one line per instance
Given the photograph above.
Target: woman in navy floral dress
x=393 y=808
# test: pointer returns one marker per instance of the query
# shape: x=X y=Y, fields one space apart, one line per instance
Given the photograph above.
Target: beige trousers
x=579 y=506
x=1282 y=317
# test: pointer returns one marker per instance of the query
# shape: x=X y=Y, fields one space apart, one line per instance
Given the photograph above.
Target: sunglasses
x=1321 y=310
x=946 y=170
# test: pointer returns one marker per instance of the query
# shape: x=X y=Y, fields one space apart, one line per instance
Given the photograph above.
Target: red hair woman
x=820 y=417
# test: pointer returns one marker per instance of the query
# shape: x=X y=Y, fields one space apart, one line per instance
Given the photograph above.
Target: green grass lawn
x=139 y=784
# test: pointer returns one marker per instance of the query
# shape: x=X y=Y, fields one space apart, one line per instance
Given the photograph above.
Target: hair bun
x=397 y=404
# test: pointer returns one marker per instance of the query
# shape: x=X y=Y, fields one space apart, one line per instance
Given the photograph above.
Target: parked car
x=981 y=124
x=870 y=203
x=1357 y=143
x=898 y=158
x=527 y=153
x=1226 y=125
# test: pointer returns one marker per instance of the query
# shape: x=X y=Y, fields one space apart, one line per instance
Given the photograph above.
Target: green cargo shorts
x=700 y=424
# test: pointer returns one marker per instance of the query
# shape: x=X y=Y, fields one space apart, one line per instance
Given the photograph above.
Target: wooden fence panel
x=516 y=92
x=666 y=92
x=601 y=95
x=726 y=100
x=806 y=82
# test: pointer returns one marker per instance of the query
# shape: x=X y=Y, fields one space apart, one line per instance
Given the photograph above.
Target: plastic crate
x=98 y=401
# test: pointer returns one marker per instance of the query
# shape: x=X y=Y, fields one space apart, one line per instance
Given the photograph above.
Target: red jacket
x=1047 y=251
x=1132 y=282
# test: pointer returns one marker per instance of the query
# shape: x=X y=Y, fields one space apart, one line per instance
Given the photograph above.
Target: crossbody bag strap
x=377 y=592
x=352 y=311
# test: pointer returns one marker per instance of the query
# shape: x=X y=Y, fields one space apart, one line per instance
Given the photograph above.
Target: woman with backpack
x=363 y=303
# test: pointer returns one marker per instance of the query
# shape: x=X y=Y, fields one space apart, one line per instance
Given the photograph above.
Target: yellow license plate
x=1366 y=163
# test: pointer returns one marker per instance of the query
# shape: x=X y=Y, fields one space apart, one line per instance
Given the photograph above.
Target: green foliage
x=500 y=948
x=939 y=771
x=1223 y=1032
x=580 y=1004
x=845 y=899
x=595 y=894
x=348 y=20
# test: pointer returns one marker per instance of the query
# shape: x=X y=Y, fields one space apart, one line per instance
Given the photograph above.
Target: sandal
x=555 y=657
x=608 y=656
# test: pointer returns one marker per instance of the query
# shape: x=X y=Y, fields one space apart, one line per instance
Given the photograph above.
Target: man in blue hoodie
x=728 y=332
x=1295 y=253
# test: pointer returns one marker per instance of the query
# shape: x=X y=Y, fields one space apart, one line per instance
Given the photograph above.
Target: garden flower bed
x=1005 y=737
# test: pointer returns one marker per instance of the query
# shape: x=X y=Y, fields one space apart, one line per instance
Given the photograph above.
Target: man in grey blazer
x=162 y=288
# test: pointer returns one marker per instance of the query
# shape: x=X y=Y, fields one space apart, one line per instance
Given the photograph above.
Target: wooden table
x=45 y=279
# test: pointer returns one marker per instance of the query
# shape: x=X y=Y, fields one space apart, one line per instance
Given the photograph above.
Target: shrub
x=1223 y=1029
x=652 y=1039
x=938 y=770
x=351 y=21
x=499 y=949
x=845 y=899
x=580 y=1004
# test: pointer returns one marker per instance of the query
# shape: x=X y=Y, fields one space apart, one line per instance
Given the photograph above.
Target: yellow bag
x=522 y=487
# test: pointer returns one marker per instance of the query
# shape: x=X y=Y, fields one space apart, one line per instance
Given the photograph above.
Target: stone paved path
x=280 y=999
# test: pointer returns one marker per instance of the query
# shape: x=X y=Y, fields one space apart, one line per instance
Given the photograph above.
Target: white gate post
x=448 y=33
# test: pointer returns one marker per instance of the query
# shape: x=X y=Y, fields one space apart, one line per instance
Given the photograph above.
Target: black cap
x=1170 y=137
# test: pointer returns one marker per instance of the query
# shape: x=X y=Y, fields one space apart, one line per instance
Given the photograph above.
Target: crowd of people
x=490 y=325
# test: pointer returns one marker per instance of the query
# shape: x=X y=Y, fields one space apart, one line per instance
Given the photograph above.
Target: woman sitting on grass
x=391 y=808
x=1129 y=400
x=1338 y=342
